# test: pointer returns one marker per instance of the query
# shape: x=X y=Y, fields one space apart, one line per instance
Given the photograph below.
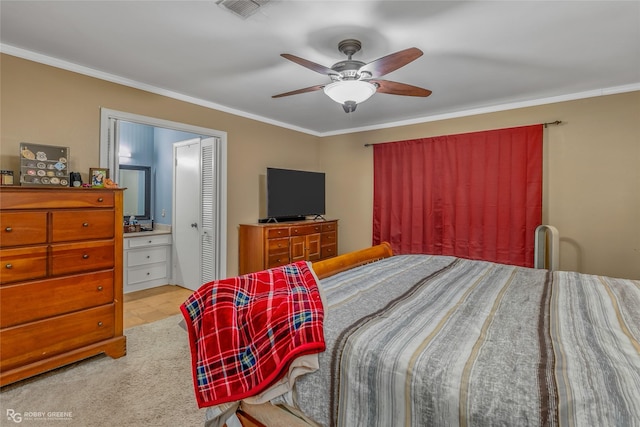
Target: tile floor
x=153 y=304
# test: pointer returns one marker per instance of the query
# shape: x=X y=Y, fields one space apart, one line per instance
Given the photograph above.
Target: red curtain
x=476 y=195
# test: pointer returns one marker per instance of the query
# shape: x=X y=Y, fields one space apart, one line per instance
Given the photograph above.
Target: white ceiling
x=478 y=55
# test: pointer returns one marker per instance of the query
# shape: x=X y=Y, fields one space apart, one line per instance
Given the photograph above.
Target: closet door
x=199 y=212
x=210 y=234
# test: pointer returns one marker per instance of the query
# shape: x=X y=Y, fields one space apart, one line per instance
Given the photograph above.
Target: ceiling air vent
x=242 y=8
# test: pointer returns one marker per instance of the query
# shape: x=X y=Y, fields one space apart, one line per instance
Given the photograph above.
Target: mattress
x=433 y=340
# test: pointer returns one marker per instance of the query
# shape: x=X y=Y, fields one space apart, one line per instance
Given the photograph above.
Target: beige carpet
x=150 y=386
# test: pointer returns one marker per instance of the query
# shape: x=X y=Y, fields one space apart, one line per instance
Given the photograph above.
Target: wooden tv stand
x=263 y=246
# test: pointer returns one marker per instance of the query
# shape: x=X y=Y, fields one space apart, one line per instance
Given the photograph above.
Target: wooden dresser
x=263 y=246
x=60 y=278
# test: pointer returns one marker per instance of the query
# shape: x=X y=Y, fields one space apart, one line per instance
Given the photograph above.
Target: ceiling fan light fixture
x=356 y=91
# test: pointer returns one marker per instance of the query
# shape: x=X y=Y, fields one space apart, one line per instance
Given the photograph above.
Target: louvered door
x=210 y=210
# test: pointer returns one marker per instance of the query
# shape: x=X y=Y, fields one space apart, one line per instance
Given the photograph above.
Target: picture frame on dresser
x=97 y=177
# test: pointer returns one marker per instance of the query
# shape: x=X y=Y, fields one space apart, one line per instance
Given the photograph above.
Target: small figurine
x=108 y=183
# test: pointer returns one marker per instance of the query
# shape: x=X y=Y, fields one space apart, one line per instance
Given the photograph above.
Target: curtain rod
x=555 y=123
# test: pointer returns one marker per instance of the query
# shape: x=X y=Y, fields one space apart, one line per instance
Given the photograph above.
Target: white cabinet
x=147 y=261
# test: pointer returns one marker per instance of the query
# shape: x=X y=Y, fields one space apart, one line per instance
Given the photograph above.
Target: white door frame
x=109 y=159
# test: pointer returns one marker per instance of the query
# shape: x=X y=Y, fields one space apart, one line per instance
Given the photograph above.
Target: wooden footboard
x=331 y=266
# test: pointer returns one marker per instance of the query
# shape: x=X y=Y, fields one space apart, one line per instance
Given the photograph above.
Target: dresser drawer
x=328 y=238
x=26 y=198
x=31 y=301
x=276 y=260
x=84 y=256
x=45 y=338
x=23 y=228
x=278 y=246
x=329 y=226
x=141 y=242
x=328 y=251
x=306 y=229
x=146 y=256
x=82 y=225
x=146 y=273
x=273 y=233
x=23 y=264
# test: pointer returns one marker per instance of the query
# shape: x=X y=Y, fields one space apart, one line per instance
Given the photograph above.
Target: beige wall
x=591 y=178
x=46 y=105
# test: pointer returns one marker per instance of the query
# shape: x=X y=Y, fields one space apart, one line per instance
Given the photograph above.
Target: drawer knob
x=85 y=224
x=100 y=200
x=148 y=256
x=148 y=273
x=100 y=324
x=8 y=229
x=8 y=266
x=99 y=288
x=150 y=241
x=85 y=256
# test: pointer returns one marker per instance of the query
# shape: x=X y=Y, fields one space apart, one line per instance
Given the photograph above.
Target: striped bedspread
x=421 y=340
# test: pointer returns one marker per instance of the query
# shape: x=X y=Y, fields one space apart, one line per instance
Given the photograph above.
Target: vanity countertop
x=156 y=231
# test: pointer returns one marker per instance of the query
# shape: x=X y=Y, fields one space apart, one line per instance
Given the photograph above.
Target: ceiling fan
x=354 y=81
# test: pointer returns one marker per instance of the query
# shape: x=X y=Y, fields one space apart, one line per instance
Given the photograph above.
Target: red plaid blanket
x=245 y=331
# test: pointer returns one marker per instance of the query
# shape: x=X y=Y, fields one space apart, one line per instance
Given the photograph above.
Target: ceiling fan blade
x=308 y=64
x=395 y=88
x=296 y=92
x=392 y=62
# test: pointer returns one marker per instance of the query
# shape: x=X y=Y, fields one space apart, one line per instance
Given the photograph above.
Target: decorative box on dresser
x=269 y=245
x=60 y=278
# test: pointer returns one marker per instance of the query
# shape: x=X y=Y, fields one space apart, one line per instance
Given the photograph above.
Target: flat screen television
x=294 y=194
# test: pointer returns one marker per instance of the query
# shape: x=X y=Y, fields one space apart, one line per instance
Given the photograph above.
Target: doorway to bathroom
x=129 y=139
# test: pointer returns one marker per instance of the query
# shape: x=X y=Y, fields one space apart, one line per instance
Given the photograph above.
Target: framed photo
x=97 y=177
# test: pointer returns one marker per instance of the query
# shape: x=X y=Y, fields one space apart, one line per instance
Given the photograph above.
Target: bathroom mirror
x=137 y=196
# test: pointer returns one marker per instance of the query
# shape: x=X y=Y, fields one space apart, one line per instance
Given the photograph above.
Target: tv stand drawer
x=273 y=233
x=305 y=230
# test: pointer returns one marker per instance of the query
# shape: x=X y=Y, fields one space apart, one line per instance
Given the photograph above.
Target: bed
x=421 y=340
